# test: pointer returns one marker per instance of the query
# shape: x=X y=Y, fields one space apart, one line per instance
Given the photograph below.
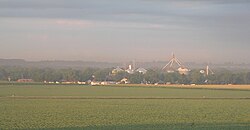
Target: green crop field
x=88 y=107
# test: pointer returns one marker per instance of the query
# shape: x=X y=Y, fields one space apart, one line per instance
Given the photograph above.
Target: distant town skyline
x=214 y=31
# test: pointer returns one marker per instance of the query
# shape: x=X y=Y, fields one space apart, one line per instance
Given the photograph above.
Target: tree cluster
x=151 y=77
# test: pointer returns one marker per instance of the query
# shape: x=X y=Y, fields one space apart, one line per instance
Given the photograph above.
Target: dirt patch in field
x=243 y=87
x=246 y=87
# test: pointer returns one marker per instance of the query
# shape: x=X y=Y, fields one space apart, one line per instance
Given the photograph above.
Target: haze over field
x=122 y=30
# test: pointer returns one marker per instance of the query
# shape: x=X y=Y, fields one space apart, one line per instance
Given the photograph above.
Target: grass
x=122 y=113
x=101 y=91
x=24 y=114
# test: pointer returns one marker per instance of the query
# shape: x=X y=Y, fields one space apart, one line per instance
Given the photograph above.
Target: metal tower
x=207 y=71
x=170 y=66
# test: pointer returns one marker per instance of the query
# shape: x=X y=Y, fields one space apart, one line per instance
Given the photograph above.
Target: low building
x=94 y=83
x=130 y=70
x=124 y=81
x=183 y=71
x=141 y=70
x=69 y=82
x=79 y=82
x=117 y=70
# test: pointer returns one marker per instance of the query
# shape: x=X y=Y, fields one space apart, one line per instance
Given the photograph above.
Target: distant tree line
x=151 y=77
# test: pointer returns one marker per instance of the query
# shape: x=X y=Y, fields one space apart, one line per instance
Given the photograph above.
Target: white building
x=130 y=70
x=183 y=70
x=141 y=70
x=117 y=70
x=124 y=81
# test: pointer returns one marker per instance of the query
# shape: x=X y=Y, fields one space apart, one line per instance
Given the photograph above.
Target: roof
x=130 y=71
x=117 y=69
x=141 y=70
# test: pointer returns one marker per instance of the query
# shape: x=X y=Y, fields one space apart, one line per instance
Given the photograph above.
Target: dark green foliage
x=247 y=78
x=152 y=76
x=136 y=78
x=197 y=77
x=119 y=76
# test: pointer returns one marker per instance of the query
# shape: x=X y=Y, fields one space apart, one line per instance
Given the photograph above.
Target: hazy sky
x=123 y=30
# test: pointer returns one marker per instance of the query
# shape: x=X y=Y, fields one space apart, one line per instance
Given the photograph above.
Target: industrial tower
x=207 y=71
x=171 y=68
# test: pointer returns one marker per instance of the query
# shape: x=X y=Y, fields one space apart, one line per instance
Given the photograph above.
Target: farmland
x=105 y=107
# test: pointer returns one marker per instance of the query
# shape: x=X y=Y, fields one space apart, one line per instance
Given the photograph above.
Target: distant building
x=25 y=80
x=141 y=70
x=79 y=82
x=117 y=70
x=183 y=71
x=94 y=83
x=69 y=82
x=130 y=70
x=124 y=81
